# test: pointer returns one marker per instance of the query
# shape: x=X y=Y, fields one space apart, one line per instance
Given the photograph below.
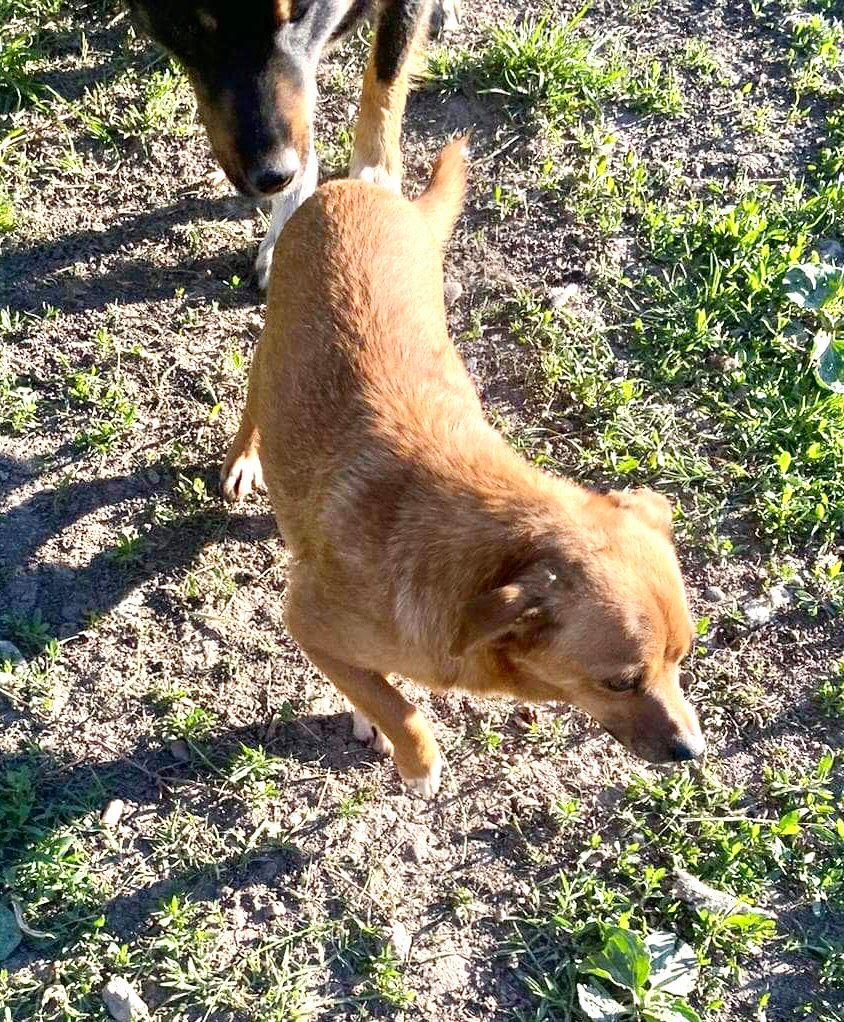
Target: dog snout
x=273 y=176
x=690 y=747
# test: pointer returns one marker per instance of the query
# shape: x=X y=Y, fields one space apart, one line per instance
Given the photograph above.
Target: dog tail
x=442 y=199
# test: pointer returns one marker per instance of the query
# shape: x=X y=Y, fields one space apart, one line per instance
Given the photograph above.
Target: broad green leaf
x=597 y=1004
x=814 y=286
x=783 y=460
x=10 y=934
x=789 y=824
x=623 y=960
x=674 y=967
x=748 y=921
x=669 y=1011
x=828 y=361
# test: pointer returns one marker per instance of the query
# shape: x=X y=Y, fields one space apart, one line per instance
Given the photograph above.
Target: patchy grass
x=551 y=70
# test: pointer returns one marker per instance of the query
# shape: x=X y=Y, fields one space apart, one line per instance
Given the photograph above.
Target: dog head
x=252 y=66
x=605 y=625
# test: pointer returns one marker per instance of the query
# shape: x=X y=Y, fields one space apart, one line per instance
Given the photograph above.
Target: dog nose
x=683 y=750
x=276 y=176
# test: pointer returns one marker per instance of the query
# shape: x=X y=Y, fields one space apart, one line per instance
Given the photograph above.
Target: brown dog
x=422 y=544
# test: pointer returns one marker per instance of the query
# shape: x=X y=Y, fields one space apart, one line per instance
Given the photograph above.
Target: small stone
x=55 y=994
x=210 y=652
x=757 y=612
x=124 y=1004
x=179 y=750
x=779 y=597
x=400 y=940
x=112 y=813
x=153 y=476
x=715 y=594
x=452 y=290
x=10 y=652
x=560 y=296
x=10 y=933
x=831 y=250
x=298 y=817
x=419 y=850
x=525 y=717
x=448 y=974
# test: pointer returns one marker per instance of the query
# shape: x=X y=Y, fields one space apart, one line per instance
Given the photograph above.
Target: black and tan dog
x=253 y=68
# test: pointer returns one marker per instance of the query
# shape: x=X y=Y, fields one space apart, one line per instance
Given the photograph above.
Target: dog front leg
x=241 y=472
x=399 y=36
x=284 y=206
x=381 y=711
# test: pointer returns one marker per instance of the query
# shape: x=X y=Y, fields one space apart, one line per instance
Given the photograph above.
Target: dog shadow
x=42 y=273
x=153 y=784
x=65 y=593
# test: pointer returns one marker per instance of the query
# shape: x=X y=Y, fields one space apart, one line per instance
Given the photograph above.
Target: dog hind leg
x=365 y=731
x=375 y=701
x=445 y=18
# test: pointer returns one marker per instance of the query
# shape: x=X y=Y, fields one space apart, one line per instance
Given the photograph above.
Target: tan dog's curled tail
x=442 y=200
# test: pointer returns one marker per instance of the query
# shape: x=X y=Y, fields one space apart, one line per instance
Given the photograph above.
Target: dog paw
x=365 y=731
x=445 y=18
x=240 y=475
x=428 y=785
x=376 y=176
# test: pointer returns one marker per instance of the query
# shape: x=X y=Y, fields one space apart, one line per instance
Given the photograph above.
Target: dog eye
x=623 y=683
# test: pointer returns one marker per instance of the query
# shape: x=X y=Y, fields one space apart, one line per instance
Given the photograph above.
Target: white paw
x=450 y=15
x=428 y=785
x=375 y=175
x=243 y=475
x=365 y=731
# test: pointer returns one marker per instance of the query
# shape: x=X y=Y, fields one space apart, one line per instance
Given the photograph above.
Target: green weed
x=552 y=70
x=189 y=723
x=22 y=29
x=167 y=108
x=29 y=631
x=831 y=692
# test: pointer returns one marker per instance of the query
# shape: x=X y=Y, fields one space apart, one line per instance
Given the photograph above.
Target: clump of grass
x=8 y=217
x=542 y=62
x=831 y=692
x=716 y=323
x=167 y=107
x=817 y=53
x=621 y=430
x=112 y=412
x=551 y=68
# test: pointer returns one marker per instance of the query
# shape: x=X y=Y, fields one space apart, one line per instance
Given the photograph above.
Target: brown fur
x=422 y=544
x=382 y=103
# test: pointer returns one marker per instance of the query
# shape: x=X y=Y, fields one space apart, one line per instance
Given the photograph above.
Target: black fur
x=396 y=29
x=243 y=61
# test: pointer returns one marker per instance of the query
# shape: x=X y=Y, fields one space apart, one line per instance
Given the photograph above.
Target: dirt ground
x=131 y=315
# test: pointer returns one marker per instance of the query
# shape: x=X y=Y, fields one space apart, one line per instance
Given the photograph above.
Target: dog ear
x=651 y=507
x=513 y=608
